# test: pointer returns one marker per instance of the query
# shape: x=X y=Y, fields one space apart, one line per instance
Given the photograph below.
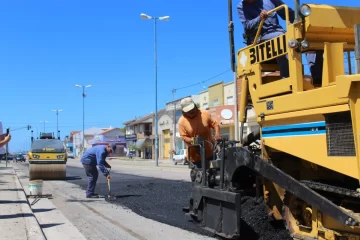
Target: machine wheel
x=297 y=216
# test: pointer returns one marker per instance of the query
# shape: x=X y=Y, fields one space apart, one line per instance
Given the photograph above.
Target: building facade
x=113 y=135
x=219 y=100
x=139 y=136
x=172 y=142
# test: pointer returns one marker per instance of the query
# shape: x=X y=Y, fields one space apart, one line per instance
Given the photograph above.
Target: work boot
x=92 y=196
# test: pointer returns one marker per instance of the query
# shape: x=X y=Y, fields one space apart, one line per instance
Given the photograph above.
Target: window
x=230 y=100
x=205 y=106
x=215 y=102
x=225 y=136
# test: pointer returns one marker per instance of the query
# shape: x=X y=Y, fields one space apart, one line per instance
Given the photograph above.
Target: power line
x=192 y=85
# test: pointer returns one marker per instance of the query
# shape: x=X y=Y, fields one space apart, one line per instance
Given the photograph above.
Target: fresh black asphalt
x=162 y=200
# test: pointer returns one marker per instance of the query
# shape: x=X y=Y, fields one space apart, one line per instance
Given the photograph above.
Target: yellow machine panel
x=310 y=132
x=303 y=163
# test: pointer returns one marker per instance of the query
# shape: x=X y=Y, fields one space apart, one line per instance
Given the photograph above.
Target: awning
x=140 y=142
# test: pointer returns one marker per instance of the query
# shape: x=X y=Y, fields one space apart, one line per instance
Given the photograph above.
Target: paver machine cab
x=47 y=158
x=308 y=166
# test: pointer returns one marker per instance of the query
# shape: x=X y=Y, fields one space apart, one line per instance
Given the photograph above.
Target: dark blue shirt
x=96 y=156
x=249 y=14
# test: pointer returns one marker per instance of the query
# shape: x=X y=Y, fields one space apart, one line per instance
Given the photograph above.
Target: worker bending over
x=251 y=12
x=196 y=122
x=92 y=157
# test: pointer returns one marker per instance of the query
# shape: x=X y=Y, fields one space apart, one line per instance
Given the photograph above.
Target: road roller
x=47 y=158
x=303 y=162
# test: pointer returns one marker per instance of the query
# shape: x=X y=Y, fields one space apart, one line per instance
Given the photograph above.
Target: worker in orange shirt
x=196 y=122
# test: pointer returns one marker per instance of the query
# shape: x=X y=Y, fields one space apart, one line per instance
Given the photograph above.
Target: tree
x=134 y=147
x=123 y=129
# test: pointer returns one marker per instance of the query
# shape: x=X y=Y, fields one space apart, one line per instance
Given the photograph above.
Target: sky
x=47 y=47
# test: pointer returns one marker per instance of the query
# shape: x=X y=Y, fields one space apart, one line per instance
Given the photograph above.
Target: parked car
x=70 y=155
x=180 y=157
x=19 y=158
x=9 y=157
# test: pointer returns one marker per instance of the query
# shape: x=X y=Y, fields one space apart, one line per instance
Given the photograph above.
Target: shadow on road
x=17 y=215
x=128 y=195
x=14 y=202
x=70 y=178
x=12 y=189
x=50 y=225
x=43 y=210
x=83 y=201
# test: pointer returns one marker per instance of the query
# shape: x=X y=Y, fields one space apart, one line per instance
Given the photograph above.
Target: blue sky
x=49 y=46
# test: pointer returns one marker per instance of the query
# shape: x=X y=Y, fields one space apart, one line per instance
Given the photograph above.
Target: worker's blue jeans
x=282 y=61
x=315 y=60
x=92 y=173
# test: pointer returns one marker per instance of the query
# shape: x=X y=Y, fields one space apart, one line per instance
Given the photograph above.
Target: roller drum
x=47 y=171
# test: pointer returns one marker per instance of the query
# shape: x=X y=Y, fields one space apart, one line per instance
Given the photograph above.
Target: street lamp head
x=165 y=18
x=145 y=16
x=88 y=86
x=60 y=110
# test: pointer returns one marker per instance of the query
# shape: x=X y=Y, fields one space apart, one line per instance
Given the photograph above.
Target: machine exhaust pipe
x=297 y=10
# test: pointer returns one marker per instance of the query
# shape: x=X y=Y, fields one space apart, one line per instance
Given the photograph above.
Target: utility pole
x=44 y=124
x=57 y=120
x=174 y=126
x=83 y=132
x=165 y=18
x=233 y=68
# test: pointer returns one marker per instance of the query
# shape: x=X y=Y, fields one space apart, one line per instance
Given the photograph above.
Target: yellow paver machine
x=307 y=168
x=47 y=158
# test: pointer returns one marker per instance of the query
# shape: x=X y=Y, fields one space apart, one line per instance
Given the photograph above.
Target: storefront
x=165 y=132
x=224 y=115
x=102 y=140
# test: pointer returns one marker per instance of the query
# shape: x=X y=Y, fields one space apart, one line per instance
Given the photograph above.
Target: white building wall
x=229 y=94
x=204 y=99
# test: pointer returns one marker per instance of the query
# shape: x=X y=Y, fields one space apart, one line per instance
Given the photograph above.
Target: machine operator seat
x=274 y=76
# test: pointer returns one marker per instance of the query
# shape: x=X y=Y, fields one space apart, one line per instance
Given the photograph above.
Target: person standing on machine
x=196 y=122
x=92 y=157
x=252 y=12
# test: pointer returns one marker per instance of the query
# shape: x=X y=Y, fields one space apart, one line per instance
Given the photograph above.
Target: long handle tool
x=110 y=197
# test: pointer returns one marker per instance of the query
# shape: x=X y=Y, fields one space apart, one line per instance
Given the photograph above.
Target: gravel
x=258 y=224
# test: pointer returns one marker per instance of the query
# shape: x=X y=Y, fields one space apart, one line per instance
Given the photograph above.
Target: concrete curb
x=61 y=228
x=33 y=228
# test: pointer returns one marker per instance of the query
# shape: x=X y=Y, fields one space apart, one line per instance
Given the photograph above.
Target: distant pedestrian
x=93 y=157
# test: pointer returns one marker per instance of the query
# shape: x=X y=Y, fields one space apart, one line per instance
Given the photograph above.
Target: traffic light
x=28 y=127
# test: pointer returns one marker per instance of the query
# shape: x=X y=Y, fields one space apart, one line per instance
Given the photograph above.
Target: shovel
x=110 y=197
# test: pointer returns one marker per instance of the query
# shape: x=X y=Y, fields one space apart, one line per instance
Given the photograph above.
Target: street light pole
x=57 y=120
x=83 y=132
x=164 y=18
x=44 y=124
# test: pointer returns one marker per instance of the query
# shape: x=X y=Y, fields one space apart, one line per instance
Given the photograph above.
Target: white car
x=70 y=154
x=180 y=157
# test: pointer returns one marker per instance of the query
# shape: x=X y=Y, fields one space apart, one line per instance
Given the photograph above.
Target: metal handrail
x=270 y=12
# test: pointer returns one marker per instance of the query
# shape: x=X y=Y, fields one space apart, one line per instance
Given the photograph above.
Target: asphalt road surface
x=161 y=200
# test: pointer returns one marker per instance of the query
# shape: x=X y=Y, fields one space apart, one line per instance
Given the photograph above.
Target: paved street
x=148 y=205
x=145 y=208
